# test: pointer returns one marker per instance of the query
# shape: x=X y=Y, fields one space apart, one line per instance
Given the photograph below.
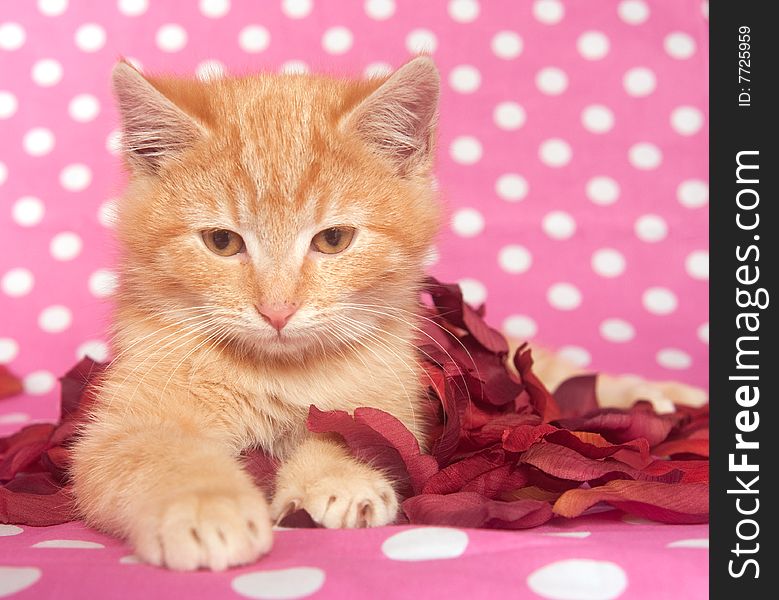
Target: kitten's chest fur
x=266 y=405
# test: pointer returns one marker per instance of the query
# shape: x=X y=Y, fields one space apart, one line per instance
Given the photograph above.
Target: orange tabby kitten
x=273 y=236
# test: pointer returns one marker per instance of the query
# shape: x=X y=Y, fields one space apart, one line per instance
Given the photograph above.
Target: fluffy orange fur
x=199 y=374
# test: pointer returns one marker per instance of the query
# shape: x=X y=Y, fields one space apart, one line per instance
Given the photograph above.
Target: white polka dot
x=171 y=38
x=380 y=10
x=564 y=296
x=75 y=177
x=12 y=36
x=421 y=41
x=597 y=118
x=90 y=37
x=130 y=559
x=38 y=141
x=214 y=9
x=697 y=264
x=17 y=282
x=102 y=283
x=651 y=228
x=254 y=38
x=686 y=120
x=509 y=116
x=645 y=156
x=209 y=70
x=113 y=143
x=55 y=319
x=608 y=262
x=16 y=579
x=95 y=349
x=28 y=211
x=463 y=11
x=515 y=258
x=337 y=40
x=673 y=358
x=559 y=225
x=9 y=530
x=507 y=45
x=617 y=330
x=377 y=69
x=579 y=579
x=679 y=45
x=14 y=418
x=633 y=12
x=593 y=45
x=65 y=246
x=552 y=81
x=80 y=544
x=576 y=355
x=693 y=193
x=659 y=301
x=705 y=9
x=520 y=326
x=280 y=584
x=429 y=543
x=8 y=105
x=297 y=9
x=9 y=350
x=639 y=81
x=548 y=11
x=47 y=72
x=555 y=152
x=474 y=292
x=703 y=333
x=3 y=173
x=602 y=190
x=511 y=187
x=133 y=8
x=465 y=79
x=52 y=8
x=83 y=108
x=569 y=534
x=690 y=543
x=38 y=383
x=467 y=222
x=466 y=150
x=294 y=67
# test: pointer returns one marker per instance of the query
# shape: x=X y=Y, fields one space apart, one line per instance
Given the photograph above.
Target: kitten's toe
x=213 y=531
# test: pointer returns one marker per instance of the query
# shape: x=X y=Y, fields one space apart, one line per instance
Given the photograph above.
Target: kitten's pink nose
x=277 y=315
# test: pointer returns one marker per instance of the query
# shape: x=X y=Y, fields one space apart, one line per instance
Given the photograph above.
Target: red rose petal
x=10 y=385
x=467 y=509
x=677 y=503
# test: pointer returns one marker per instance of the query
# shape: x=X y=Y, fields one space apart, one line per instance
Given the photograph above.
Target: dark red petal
x=10 y=384
x=521 y=437
x=677 y=503
x=467 y=509
x=576 y=396
x=35 y=500
x=540 y=398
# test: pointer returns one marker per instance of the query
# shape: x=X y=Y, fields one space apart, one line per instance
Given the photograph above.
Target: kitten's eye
x=223 y=242
x=333 y=240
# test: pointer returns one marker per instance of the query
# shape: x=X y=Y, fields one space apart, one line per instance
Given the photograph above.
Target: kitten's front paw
x=204 y=530
x=361 y=497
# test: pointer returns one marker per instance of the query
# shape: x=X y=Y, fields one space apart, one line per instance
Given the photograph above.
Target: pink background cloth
x=572 y=159
x=597 y=557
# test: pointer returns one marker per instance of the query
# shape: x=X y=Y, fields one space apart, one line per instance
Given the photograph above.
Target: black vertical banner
x=744 y=262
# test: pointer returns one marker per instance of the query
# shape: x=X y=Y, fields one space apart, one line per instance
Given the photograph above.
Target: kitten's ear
x=398 y=120
x=154 y=129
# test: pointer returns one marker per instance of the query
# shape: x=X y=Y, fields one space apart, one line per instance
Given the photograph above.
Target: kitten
x=273 y=236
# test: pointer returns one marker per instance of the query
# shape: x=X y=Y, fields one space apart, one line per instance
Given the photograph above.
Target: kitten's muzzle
x=277 y=315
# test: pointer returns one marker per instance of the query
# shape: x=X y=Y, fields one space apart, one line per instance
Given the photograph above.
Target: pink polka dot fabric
x=598 y=557
x=572 y=159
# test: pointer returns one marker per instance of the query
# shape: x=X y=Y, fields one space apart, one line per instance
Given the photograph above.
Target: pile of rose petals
x=503 y=452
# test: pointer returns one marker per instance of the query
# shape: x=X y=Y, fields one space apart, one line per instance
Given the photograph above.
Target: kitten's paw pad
x=206 y=530
x=334 y=501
